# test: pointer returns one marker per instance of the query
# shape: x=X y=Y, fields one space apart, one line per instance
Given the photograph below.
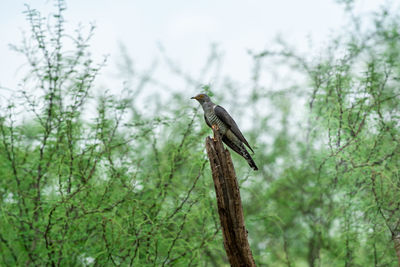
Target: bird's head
x=202 y=98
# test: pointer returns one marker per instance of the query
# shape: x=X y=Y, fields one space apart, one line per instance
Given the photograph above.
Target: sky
x=186 y=29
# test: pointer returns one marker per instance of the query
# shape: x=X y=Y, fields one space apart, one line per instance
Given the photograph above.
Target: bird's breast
x=214 y=120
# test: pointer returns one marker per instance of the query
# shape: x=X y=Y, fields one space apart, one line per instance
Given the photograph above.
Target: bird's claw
x=215 y=127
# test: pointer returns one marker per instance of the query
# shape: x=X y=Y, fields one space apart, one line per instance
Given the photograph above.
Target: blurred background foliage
x=95 y=178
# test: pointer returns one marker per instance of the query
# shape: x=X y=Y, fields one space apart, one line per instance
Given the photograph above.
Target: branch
x=229 y=203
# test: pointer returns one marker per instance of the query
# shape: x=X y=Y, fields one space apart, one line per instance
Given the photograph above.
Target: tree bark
x=229 y=203
x=396 y=240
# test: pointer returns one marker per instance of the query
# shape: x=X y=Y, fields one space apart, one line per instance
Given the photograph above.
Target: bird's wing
x=231 y=144
x=224 y=116
x=226 y=139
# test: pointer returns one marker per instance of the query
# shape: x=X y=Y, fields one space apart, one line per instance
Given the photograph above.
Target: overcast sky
x=185 y=28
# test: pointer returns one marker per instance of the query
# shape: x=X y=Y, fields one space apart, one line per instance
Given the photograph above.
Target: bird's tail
x=241 y=150
x=249 y=159
x=245 y=154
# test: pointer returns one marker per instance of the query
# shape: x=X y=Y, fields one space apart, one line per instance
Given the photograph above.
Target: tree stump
x=229 y=203
x=396 y=240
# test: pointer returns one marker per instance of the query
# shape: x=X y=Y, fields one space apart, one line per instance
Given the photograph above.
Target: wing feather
x=224 y=116
x=231 y=144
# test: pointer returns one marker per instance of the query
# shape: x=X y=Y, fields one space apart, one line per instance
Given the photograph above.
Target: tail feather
x=249 y=159
x=241 y=150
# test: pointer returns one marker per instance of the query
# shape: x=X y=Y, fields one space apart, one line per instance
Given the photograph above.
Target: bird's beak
x=193 y=97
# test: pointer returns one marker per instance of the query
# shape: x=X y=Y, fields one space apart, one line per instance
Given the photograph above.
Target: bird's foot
x=215 y=128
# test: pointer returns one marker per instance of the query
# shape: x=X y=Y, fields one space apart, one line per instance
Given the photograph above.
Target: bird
x=227 y=127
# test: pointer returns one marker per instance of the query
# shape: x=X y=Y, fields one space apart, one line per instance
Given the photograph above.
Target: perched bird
x=227 y=127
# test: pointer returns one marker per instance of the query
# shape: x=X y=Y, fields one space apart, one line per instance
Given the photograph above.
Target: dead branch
x=229 y=203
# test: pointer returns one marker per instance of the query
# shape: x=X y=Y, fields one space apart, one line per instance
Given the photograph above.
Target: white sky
x=185 y=28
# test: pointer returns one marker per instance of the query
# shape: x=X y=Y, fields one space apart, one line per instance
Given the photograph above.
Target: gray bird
x=227 y=127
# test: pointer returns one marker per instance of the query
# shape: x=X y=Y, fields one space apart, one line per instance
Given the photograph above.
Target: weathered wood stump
x=229 y=203
x=396 y=240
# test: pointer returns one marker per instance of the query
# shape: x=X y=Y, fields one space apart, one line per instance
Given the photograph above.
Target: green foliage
x=113 y=188
x=97 y=181
x=335 y=200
